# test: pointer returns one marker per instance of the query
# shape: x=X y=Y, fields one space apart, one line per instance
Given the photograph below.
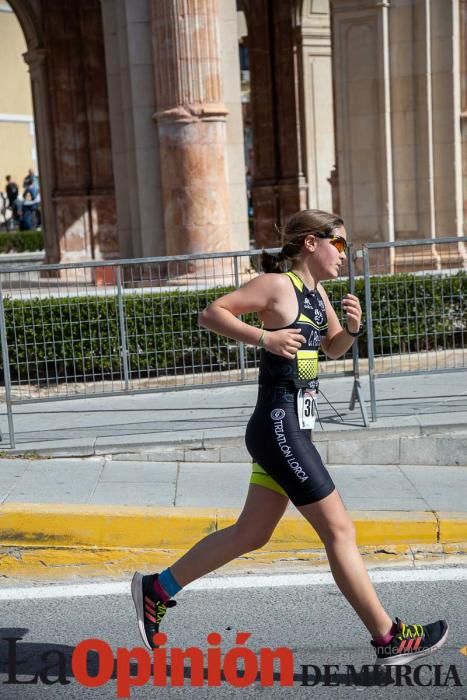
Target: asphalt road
x=313 y=621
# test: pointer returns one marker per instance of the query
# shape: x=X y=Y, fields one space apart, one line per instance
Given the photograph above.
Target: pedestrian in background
x=11 y=190
x=31 y=182
x=30 y=217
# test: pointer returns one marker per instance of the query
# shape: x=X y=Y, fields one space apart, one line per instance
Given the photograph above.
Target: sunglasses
x=339 y=242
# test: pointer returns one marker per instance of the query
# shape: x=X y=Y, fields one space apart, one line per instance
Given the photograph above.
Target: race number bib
x=306 y=408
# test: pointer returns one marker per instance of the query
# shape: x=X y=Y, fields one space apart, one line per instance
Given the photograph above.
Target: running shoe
x=411 y=642
x=149 y=608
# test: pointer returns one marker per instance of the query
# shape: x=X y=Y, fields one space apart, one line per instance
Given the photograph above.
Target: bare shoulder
x=272 y=281
x=258 y=294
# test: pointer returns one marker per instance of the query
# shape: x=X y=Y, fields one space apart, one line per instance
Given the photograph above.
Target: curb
x=63 y=542
x=434 y=445
x=116 y=527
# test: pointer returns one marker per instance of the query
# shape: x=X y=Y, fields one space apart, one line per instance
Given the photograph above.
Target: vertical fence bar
x=369 y=325
x=356 y=389
x=241 y=346
x=6 y=370
x=121 y=313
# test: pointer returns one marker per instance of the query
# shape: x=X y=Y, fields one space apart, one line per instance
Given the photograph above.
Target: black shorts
x=284 y=451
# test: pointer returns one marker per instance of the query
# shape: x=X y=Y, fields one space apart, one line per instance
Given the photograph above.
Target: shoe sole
x=137 y=595
x=406 y=658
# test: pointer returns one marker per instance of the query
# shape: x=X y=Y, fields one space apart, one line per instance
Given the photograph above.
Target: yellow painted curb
x=452 y=527
x=51 y=525
x=395 y=527
x=64 y=526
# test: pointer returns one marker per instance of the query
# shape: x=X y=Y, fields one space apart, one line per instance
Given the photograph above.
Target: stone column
x=318 y=109
x=235 y=148
x=135 y=144
x=190 y=114
x=363 y=146
x=397 y=120
x=36 y=60
x=463 y=116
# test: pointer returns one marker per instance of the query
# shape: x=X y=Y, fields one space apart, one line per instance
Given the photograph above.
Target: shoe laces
x=410 y=631
x=161 y=608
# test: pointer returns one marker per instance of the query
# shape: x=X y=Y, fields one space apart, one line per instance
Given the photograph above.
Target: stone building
x=356 y=105
x=17 y=136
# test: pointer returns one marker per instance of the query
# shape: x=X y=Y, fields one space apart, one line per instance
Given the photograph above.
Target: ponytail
x=272 y=263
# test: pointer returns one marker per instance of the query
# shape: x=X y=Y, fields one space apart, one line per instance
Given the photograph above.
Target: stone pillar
x=236 y=173
x=36 y=60
x=318 y=109
x=397 y=116
x=463 y=116
x=363 y=146
x=190 y=114
x=135 y=144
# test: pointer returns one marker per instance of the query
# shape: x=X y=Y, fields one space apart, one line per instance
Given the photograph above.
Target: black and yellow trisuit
x=284 y=458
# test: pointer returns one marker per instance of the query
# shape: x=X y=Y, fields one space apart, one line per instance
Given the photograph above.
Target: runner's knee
x=250 y=537
x=339 y=530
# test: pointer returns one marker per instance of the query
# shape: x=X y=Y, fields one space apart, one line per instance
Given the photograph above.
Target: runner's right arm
x=258 y=295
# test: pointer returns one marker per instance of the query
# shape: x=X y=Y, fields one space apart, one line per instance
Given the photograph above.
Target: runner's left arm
x=337 y=341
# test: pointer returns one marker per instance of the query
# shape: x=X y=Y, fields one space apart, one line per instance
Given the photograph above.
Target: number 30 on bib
x=306 y=408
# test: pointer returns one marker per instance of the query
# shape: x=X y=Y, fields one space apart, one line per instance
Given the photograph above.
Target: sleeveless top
x=312 y=321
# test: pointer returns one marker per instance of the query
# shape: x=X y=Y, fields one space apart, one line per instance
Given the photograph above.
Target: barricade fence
x=126 y=326
x=131 y=326
x=416 y=315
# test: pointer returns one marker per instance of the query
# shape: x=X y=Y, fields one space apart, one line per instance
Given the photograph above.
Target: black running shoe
x=149 y=608
x=411 y=642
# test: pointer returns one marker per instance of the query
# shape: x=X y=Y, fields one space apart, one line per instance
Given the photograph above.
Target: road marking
x=230 y=582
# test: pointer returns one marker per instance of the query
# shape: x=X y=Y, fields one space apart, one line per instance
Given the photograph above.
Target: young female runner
x=297 y=320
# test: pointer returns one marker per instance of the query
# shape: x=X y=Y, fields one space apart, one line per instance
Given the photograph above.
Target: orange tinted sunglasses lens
x=339 y=243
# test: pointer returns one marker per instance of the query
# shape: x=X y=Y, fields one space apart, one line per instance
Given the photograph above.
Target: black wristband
x=355 y=335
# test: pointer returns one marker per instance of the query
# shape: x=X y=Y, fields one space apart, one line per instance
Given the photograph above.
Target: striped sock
x=386 y=638
x=165 y=586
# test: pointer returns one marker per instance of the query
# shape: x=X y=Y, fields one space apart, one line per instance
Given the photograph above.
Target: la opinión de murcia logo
x=239 y=667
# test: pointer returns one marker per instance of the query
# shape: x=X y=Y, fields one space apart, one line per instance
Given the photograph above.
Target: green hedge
x=415 y=313
x=21 y=241
x=65 y=339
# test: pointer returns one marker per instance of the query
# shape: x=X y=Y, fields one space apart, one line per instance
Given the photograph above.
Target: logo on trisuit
x=277 y=414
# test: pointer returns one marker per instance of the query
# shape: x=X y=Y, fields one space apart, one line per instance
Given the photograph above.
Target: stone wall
x=396 y=74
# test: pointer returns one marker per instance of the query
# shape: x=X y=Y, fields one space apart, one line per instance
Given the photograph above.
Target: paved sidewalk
x=406 y=406
x=99 y=481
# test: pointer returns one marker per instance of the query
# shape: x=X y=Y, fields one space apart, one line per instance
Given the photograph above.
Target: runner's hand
x=285 y=342
x=353 y=312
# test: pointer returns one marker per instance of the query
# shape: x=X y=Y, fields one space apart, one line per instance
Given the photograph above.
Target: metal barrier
x=416 y=322
x=127 y=326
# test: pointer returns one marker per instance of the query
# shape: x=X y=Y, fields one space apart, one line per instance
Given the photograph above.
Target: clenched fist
x=284 y=342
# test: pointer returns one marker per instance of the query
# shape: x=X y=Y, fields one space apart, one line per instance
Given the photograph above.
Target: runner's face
x=328 y=254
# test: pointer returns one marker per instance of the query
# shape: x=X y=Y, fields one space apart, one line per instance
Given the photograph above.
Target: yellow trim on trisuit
x=261 y=478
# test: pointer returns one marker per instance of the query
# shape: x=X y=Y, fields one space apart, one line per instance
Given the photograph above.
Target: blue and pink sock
x=165 y=586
